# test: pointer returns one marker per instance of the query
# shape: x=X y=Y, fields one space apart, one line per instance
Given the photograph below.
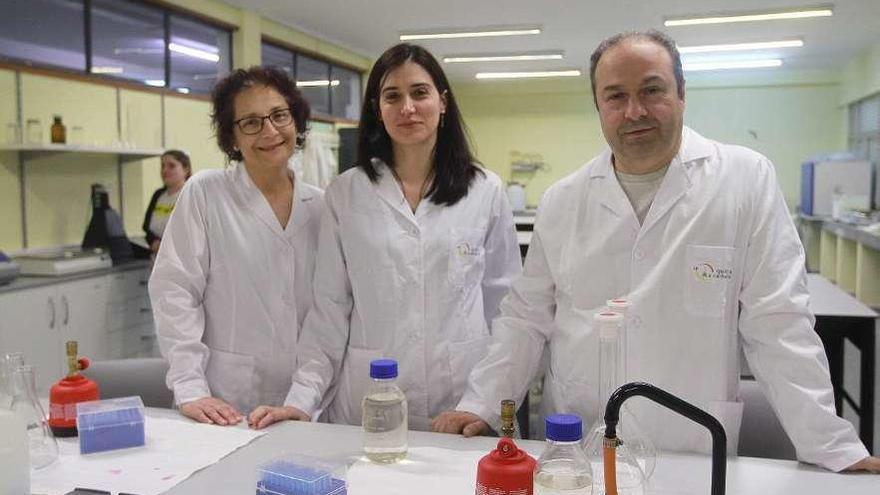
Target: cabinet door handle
x=51 y=304
x=66 y=309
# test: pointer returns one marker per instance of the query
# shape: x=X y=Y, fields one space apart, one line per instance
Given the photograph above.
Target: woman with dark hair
x=417 y=250
x=176 y=169
x=233 y=279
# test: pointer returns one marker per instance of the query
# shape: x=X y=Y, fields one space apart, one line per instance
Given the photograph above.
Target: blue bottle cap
x=564 y=427
x=383 y=368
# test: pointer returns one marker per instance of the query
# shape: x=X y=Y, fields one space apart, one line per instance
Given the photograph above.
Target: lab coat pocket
x=709 y=280
x=467 y=257
x=355 y=383
x=729 y=414
x=463 y=356
x=231 y=378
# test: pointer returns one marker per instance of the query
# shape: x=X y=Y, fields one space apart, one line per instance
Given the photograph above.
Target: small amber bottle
x=508 y=415
x=59 y=132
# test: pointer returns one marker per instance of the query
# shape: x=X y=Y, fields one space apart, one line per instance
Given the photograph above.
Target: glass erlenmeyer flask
x=41 y=443
x=8 y=363
x=630 y=472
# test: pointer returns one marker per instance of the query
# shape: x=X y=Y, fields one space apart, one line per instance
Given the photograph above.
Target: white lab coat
x=230 y=289
x=717 y=254
x=419 y=288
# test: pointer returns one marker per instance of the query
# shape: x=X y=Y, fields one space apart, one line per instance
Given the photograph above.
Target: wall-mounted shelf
x=122 y=153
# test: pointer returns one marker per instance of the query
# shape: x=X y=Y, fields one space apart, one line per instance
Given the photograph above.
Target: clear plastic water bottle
x=563 y=467
x=384 y=415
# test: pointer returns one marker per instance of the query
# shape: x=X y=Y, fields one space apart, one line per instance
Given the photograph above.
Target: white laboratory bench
x=675 y=473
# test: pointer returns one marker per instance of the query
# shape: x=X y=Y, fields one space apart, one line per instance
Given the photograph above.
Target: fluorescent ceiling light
x=183 y=90
x=734 y=47
x=106 y=70
x=502 y=58
x=194 y=52
x=732 y=64
x=757 y=16
x=488 y=32
x=521 y=75
x=317 y=83
x=159 y=83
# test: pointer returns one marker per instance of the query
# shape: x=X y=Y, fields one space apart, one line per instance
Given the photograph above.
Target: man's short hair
x=650 y=35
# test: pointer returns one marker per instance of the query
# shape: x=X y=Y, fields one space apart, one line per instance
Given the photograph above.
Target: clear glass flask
x=41 y=443
x=385 y=421
x=640 y=444
x=630 y=470
x=563 y=468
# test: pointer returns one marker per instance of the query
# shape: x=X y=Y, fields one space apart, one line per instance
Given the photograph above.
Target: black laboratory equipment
x=105 y=229
x=665 y=399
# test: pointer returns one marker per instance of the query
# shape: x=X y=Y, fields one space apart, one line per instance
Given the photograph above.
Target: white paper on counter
x=426 y=471
x=174 y=450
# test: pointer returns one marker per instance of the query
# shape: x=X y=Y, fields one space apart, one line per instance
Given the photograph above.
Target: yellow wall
x=558 y=121
x=10 y=211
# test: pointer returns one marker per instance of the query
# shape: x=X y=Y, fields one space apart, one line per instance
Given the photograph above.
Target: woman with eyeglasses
x=233 y=278
x=417 y=249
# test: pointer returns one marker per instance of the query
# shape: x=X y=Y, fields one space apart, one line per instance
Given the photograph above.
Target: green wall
x=786 y=121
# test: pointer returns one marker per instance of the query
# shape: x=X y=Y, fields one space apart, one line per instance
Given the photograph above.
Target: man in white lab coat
x=696 y=234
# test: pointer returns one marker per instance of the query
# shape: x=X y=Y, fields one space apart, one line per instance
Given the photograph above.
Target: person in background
x=233 y=280
x=417 y=249
x=176 y=169
x=696 y=234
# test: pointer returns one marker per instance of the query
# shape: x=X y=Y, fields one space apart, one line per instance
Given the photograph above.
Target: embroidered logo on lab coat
x=705 y=272
x=465 y=249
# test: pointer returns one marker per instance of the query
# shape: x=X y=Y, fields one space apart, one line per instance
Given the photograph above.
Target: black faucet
x=664 y=398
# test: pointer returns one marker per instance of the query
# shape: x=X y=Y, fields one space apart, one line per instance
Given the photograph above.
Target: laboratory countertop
x=30 y=282
x=675 y=473
x=869 y=236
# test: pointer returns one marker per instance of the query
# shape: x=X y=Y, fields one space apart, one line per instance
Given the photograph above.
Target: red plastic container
x=507 y=470
x=63 y=398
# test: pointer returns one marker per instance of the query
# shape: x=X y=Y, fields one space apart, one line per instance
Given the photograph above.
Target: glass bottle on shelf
x=34 y=132
x=13 y=133
x=41 y=443
x=59 y=132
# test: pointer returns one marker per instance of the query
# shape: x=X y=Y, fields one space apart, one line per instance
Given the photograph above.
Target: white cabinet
x=30 y=322
x=108 y=315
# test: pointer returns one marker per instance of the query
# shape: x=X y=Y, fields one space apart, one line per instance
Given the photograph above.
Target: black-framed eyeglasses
x=253 y=125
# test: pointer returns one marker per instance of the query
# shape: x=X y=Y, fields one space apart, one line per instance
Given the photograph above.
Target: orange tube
x=609 y=458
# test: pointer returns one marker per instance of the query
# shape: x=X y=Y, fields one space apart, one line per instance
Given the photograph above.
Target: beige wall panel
x=90 y=106
x=10 y=210
x=58 y=195
x=188 y=127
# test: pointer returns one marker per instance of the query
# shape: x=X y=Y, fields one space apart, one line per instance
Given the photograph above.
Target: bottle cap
x=564 y=427
x=383 y=368
x=608 y=323
x=618 y=304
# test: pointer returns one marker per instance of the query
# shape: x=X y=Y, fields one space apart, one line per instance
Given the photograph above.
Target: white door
x=30 y=322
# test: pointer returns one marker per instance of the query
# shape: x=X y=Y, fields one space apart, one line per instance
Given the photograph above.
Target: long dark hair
x=453 y=164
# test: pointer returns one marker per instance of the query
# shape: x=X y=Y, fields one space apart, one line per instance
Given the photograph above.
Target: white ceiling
x=369 y=27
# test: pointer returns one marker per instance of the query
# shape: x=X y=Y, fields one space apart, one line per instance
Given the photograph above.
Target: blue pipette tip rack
x=110 y=424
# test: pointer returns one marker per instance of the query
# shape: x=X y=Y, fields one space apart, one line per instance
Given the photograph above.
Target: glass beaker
x=42 y=444
x=34 y=131
x=8 y=363
x=13 y=133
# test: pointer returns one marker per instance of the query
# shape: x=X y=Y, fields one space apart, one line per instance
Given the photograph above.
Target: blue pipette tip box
x=110 y=424
x=301 y=475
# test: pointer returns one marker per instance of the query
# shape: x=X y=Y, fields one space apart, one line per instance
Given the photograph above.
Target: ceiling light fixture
x=733 y=64
x=531 y=74
x=98 y=69
x=735 y=47
x=802 y=13
x=511 y=57
x=194 y=52
x=484 y=33
x=317 y=83
x=159 y=83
